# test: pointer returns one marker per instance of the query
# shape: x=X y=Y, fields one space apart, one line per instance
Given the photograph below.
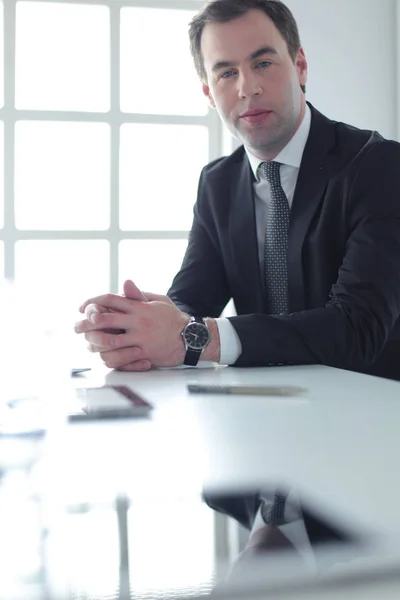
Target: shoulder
x=364 y=142
x=351 y=147
x=225 y=166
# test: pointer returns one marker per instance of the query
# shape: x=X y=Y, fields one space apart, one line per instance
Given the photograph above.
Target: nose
x=249 y=85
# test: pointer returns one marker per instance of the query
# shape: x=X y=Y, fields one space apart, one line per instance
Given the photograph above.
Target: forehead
x=237 y=39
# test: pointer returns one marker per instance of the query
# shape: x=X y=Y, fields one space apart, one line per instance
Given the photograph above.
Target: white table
x=339 y=443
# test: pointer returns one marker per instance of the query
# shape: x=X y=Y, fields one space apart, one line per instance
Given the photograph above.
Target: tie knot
x=271 y=171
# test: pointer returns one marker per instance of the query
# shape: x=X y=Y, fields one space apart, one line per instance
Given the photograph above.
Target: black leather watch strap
x=192 y=356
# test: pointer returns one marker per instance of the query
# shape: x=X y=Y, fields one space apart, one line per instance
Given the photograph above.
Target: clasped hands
x=134 y=332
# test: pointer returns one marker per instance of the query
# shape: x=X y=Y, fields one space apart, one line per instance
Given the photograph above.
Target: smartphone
x=107 y=402
x=31 y=416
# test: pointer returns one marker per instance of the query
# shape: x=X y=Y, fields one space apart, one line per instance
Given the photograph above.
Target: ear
x=207 y=93
x=302 y=66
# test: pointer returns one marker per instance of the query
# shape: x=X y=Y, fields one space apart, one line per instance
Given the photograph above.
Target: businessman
x=300 y=225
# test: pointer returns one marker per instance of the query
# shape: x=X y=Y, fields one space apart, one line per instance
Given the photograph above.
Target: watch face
x=196 y=336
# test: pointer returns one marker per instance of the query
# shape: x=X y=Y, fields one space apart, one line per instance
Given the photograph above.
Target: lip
x=255 y=115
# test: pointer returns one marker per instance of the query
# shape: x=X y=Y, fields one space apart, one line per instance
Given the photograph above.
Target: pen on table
x=254 y=390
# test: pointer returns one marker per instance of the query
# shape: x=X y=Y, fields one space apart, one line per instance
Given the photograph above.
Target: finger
x=105 y=322
x=108 y=341
x=82 y=326
x=115 y=359
x=132 y=292
x=138 y=365
x=113 y=301
x=115 y=331
x=95 y=349
x=112 y=320
x=92 y=309
x=156 y=297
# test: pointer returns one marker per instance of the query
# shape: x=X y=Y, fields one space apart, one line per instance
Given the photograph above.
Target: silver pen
x=244 y=390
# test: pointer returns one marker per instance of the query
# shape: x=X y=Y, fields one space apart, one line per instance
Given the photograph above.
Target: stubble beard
x=266 y=143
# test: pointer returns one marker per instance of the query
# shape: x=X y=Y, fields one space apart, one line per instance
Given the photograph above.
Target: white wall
x=351 y=46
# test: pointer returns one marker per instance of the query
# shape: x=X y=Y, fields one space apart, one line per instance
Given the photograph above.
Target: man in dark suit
x=341 y=248
x=300 y=226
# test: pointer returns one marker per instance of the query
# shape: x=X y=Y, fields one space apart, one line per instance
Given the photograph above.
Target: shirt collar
x=292 y=153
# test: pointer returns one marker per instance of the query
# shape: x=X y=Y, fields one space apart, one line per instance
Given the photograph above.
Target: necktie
x=276 y=242
x=275 y=269
x=273 y=513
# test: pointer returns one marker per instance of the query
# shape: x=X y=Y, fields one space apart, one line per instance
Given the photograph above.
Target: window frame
x=115 y=118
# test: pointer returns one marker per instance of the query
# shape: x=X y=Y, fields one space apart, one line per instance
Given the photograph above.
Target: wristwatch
x=196 y=337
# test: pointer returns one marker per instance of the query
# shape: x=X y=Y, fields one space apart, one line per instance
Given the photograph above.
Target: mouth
x=255 y=116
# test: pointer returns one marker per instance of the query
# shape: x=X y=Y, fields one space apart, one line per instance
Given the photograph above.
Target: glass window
x=151 y=264
x=168 y=557
x=91 y=567
x=1 y=173
x=62 y=56
x=1 y=56
x=183 y=552
x=63 y=272
x=157 y=72
x=85 y=213
x=62 y=175
x=158 y=176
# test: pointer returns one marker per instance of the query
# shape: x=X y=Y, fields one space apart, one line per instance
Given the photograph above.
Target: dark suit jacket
x=244 y=508
x=343 y=258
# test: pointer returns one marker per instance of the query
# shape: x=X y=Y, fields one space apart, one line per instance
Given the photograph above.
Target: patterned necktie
x=273 y=512
x=275 y=269
x=276 y=242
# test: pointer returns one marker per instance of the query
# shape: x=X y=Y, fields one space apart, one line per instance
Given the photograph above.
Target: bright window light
x=151 y=264
x=62 y=175
x=1 y=56
x=63 y=272
x=62 y=57
x=157 y=72
x=158 y=177
x=1 y=173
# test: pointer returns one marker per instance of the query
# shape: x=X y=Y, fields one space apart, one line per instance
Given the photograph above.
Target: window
x=99 y=106
x=169 y=552
x=99 y=102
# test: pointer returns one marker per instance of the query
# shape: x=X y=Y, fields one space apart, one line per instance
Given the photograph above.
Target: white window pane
x=1 y=260
x=63 y=273
x=182 y=560
x=62 y=57
x=62 y=175
x=151 y=264
x=168 y=557
x=90 y=567
x=1 y=56
x=1 y=173
x=158 y=176
x=157 y=70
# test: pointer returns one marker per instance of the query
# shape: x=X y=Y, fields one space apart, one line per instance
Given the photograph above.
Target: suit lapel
x=242 y=233
x=311 y=184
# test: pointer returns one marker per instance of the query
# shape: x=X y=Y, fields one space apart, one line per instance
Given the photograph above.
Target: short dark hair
x=221 y=11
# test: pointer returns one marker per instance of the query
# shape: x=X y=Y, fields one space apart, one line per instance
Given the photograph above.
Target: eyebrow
x=223 y=64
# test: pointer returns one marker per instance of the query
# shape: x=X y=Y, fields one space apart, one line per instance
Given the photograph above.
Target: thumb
x=132 y=292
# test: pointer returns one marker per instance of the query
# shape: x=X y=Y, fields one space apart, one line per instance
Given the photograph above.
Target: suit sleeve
x=201 y=287
x=364 y=303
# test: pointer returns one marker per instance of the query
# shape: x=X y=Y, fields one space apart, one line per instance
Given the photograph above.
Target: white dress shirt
x=290 y=158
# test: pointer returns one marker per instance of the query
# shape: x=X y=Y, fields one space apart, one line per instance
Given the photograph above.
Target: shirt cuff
x=230 y=345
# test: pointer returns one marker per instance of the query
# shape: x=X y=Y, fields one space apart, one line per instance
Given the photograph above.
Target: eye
x=227 y=74
x=264 y=64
